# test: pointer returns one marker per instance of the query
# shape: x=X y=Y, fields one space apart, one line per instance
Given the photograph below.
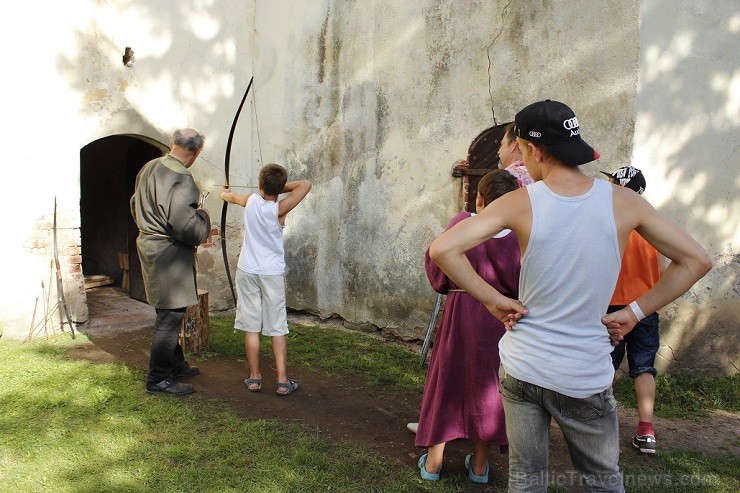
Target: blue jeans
x=589 y=425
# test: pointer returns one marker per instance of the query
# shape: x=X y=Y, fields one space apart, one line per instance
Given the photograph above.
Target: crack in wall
x=670 y=349
x=488 y=54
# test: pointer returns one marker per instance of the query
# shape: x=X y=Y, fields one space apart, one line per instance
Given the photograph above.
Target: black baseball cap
x=630 y=177
x=554 y=124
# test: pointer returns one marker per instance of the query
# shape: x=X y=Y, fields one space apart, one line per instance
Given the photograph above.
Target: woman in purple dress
x=461 y=397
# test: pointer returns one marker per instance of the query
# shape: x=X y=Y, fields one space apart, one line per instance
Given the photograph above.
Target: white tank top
x=262 y=251
x=568 y=275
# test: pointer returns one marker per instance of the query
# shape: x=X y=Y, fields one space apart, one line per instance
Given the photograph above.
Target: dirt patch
x=345 y=408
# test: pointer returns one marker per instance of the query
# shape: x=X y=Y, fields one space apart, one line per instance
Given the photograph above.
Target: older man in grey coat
x=166 y=209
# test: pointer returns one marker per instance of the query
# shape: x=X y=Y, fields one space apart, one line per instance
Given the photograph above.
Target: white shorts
x=261 y=304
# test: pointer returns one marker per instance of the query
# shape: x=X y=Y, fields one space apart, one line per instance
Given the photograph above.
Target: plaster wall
x=71 y=88
x=685 y=140
x=374 y=101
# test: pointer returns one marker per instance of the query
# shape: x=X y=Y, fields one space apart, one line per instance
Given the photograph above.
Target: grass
x=686 y=395
x=75 y=426
x=674 y=470
x=378 y=362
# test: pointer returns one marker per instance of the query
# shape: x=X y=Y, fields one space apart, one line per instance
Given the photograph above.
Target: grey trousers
x=589 y=425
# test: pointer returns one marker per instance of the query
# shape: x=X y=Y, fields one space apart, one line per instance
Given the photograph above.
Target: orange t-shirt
x=640 y=270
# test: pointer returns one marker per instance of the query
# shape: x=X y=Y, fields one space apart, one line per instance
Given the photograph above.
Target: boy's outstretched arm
x=234 y=198
x=296 y=191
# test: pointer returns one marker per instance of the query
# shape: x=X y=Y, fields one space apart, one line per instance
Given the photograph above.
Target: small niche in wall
x=128 y=57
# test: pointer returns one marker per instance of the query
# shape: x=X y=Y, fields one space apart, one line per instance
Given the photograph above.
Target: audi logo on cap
x=532 y=133
x=571 y=123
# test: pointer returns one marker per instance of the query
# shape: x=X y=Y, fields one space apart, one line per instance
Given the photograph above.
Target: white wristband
x=637 y=311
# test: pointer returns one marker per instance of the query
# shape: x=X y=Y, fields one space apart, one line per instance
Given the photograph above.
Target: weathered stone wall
x=375 y=101
x=71 y=88
x=687 y=117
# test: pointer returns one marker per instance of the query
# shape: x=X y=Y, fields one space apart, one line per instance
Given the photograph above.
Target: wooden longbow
x=60 y=285
x=227 y=160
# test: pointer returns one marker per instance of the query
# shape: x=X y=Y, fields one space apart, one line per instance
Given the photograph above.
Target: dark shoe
x=646 y=443
x=170 y=386
x=188 y=371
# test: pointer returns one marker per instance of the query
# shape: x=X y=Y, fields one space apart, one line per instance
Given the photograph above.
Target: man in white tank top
x=555 y=357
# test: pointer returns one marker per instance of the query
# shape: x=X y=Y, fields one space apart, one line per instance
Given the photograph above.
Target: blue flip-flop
x=429 y=476
x=474 y=477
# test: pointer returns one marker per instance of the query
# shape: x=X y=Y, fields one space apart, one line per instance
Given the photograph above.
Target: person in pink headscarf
x=510 y=157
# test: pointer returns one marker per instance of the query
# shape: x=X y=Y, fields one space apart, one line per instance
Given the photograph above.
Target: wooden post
x=194 y=329
x=123 y=264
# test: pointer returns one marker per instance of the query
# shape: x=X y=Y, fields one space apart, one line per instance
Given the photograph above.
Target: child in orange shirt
x=640 y=271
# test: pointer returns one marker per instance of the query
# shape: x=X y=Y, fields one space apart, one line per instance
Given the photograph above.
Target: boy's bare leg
x=252 y=348
x=645 y=393
x=280 y=351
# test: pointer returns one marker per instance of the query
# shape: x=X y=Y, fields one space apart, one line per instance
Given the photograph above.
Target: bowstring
x=257 y=124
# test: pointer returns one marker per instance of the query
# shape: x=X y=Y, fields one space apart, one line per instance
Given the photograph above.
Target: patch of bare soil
x=345 y=408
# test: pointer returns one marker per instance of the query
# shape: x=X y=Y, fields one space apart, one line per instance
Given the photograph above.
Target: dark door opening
x=108 y=169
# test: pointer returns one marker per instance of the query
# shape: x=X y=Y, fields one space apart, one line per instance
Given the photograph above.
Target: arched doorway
x=108 y=169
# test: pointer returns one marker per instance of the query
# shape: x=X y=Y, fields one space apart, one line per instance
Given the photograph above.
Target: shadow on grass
x=73 y=426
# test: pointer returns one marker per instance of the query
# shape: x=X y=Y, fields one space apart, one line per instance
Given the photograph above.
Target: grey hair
x=192 y=143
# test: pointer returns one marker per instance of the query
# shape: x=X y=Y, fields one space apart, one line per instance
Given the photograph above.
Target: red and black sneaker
x=646 y=443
